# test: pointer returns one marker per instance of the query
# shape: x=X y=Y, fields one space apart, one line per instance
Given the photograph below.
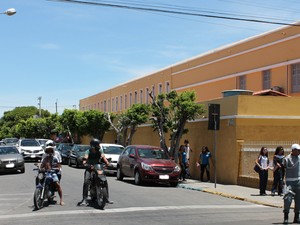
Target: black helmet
x=95 y=143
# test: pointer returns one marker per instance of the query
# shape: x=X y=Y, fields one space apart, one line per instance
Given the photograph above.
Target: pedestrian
x=188 y=150
x=292 y=182
x=263 y=162
x=182 y=162
x=204 y=157
x=278 y=171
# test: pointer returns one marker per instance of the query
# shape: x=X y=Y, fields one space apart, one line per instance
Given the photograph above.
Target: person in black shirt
x=93 y=156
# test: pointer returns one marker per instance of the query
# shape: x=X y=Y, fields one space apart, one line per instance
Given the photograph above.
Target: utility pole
x=56 y=106
x=40 y=109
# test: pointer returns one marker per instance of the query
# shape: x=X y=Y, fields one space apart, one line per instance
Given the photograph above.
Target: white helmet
x=49 y=143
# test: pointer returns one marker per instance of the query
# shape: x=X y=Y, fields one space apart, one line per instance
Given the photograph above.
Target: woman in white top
x=263 y=162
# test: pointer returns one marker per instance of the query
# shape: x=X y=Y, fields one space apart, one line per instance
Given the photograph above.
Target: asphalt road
x=149 y=204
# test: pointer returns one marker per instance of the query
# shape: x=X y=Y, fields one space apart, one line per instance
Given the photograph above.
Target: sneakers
x=109 y=202
x=83 y=203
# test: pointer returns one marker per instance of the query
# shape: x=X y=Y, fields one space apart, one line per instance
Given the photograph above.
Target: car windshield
x=30 y=143
x=8 y=150
x=114 y=150
x=152 y=153
x=11 y=140
x=83 y=148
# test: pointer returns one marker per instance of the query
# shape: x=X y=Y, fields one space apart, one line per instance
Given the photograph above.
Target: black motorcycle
x=45 y=187
x=98 y=187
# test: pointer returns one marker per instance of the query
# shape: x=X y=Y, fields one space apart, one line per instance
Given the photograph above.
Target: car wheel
x=120 y=176
x=70 y=163
x=137 y=178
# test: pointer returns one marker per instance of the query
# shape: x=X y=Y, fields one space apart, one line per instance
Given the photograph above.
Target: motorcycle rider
x=93 y=157
x=51 y=162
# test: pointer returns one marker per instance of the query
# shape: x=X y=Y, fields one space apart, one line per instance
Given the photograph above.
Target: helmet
x=49 y=143
x=95 y=143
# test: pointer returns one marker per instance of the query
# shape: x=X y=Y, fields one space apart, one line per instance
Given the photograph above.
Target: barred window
x=296 y=77
x=242 y=82
x=266 y=76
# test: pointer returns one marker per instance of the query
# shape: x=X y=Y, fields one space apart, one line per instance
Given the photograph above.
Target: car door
x=124 y=161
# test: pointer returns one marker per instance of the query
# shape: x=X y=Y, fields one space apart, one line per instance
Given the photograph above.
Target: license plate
x=10 y=165
x=32 y=156
x=164 y=177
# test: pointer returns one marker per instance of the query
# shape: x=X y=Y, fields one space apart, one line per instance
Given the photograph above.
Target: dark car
x=10 y=141
x=11 y=160
x=147 y=164
x=76 y=155
x=64 y=150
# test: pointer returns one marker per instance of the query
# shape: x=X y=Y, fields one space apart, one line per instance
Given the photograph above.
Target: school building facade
x=256 y=81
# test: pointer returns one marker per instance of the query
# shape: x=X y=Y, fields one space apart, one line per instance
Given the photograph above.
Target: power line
x=175 y=12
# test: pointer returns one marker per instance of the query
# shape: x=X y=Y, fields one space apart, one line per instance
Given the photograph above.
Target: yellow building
x=267 y=61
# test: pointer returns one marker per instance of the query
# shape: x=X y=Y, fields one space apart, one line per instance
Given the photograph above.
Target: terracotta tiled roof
x=270 y=92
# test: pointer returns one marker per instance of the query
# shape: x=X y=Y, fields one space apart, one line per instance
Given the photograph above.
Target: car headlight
x=146 y=167
x=177 y=168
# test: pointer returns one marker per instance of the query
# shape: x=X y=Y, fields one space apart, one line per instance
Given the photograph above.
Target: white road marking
x=130 y=209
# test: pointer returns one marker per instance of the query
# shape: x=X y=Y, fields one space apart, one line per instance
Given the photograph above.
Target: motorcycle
x=98 y=187
x=45 y=187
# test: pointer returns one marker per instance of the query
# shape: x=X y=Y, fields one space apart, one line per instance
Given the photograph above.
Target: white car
x=30 y=149
x=112 y=153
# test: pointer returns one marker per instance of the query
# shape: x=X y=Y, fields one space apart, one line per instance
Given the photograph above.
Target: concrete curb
x=206 y=190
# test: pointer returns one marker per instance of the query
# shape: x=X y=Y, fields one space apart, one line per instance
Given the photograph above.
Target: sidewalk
x=233 y=191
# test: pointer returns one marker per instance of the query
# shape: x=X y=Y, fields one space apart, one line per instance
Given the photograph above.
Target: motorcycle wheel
x=101 y=196
x=37 y=199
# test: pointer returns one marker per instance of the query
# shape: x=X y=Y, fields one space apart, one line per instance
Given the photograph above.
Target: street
x=149 y=204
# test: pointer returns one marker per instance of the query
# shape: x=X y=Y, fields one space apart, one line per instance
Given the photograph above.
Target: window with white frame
x=141 y=96
x=125 y=102
x=109 y=106
x=242 y=82
x=105 y=106
x=153 y=90
x=266 y=79
x=147 y=96
x=167 y=87
x=159 y=88
x=135 y=97
x=113 y=105
x=295 y=77
x=117 y=104
x=121 y=102
x=130 y=99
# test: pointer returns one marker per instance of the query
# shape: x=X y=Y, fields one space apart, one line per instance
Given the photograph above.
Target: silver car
x=11 y=160
x=30 y=149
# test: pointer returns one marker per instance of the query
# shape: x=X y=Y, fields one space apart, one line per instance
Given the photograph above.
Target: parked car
x=76 y=155
x=10 y=141
x=42 y=142
x=11 y=160
x=2 y=143
x=112 y=153
x=147 y=164
x=30 y=149
x=64 y=150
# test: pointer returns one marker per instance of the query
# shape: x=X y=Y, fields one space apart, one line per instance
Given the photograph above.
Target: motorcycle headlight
x=177 y=168
x=41 y=176
x=146 y=167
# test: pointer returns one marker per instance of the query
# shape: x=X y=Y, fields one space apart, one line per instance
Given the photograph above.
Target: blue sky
x=64 y=52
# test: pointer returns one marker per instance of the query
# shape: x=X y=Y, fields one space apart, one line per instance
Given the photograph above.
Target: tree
x=69 y=121
x=172 y=117
x=11 y=118
x=127 y=122
x=94 y=124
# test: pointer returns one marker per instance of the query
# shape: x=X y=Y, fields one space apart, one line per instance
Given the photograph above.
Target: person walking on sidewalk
x=263 y=162
x=204 y=157
x=292 y=179
x=182 y=162
x=278 y=171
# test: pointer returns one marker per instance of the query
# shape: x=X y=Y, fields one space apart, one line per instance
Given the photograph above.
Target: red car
x=147 y=164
